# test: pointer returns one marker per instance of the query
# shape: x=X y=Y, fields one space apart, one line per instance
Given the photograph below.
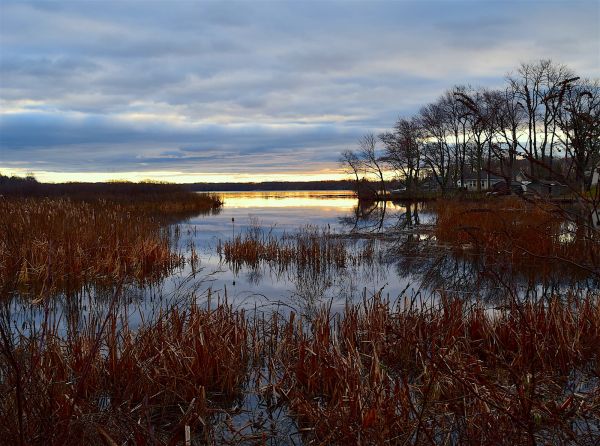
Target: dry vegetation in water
x=447 y=374
x=534 y=238
x=107 y=384
x=59 y=243
x=416 y=373
x=160 y=200
x=309 y=249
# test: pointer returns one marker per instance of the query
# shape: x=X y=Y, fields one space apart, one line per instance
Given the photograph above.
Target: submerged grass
x=534 y=238
x=441 y=372
x=308 y=249
x=383 y=373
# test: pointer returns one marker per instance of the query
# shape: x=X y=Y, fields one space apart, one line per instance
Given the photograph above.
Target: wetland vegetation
x=451 y=351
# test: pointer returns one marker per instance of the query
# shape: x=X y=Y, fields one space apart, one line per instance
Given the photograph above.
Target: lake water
x=407 y=265
x=287 y=213
x=265 y=287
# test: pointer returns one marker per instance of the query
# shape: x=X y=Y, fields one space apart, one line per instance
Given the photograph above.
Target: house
x=470 y=183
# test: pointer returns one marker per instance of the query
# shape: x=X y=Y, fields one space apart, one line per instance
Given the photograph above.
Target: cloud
x=79 y=142
x=187 y=86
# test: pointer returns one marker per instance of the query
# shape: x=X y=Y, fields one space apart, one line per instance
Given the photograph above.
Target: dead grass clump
x=50 y=245
x=447 y=374
x=310 y=249
x=533 y=237
x=110 y=385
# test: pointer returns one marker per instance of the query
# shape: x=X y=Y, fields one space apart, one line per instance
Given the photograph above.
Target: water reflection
x=373 y=216
x=407 y=260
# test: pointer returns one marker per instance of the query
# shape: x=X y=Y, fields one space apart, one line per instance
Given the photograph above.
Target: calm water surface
x=266 y=288
x=407 y=266
x=286 y=213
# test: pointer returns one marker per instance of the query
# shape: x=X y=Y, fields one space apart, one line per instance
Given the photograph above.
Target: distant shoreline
x=271 y=186
x=335 y=192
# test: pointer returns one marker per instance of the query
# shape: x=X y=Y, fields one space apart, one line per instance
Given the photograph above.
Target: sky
x=189 y=91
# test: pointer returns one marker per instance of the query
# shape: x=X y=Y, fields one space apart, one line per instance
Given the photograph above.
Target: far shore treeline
x=29 y=185
x=275 y=186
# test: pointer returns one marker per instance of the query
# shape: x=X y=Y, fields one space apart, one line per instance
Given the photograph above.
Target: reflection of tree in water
x=439 y=270
x=410 y=217
x=435 y=270
x=366 y=216
x=310 y=289
x=313 y=289
x=372 y=216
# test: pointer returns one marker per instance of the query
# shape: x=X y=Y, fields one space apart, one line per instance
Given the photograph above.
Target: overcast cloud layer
x=251 y=87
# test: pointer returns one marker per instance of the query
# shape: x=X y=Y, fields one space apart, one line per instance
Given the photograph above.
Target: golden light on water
x=342 y=200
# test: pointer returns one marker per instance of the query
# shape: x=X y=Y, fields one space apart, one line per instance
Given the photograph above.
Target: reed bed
x=446 y=374
x=160 y=200
x=404 y=373
x=534 y=238
x=309 y=249
x=57 y=244
x=108 y=384
x=51 y=245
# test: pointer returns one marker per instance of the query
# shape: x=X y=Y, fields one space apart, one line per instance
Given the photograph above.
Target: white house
x=470 y=183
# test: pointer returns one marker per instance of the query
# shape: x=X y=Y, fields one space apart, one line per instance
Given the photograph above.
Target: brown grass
x=447 y=374
x=533 y=237
x=309 y=249
x=429 y=373
x=48 y=245
x=108 y=384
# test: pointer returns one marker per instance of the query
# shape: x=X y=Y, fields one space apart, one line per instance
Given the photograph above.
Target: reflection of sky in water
x=282 y=211
x=402 y=271
x=286 y=212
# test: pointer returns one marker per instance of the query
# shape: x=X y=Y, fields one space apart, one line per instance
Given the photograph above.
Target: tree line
x=543 y=122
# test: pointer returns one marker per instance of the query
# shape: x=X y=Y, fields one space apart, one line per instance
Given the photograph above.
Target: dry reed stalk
x=49 y=245
x=309 y=249
x=533 y=238
x=109 y=382
x=447 y=374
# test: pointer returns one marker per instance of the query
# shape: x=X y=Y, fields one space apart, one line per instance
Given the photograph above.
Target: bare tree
x=536 y=87
x=479 y=116
x=437 y=153
x=403 y=151
x=372 y=161
x=352 y=165
x=579 y=125
x=457 y=119
x=508 y=117
x=544 y=115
